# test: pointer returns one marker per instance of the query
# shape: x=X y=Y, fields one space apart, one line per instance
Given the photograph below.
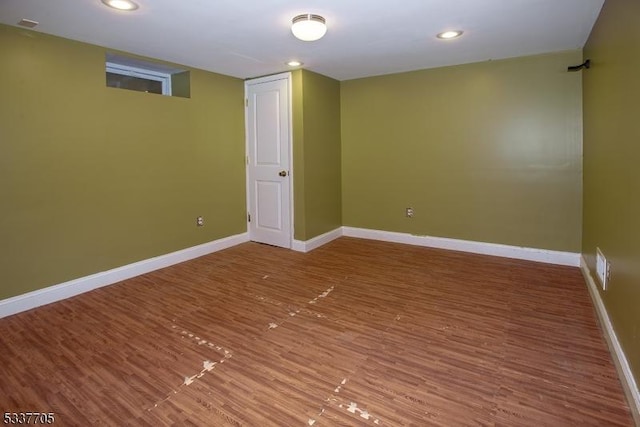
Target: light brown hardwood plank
x=356 y=332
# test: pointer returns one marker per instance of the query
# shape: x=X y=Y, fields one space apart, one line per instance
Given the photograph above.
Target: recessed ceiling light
x=447 y=35
x=294 y=63
x=121 y=4
x=308 y=27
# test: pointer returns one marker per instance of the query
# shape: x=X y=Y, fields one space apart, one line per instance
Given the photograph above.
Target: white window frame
x=127 y=70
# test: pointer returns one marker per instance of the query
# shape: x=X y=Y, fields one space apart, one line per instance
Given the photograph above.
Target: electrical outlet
x=199 y=221
x=409 y=212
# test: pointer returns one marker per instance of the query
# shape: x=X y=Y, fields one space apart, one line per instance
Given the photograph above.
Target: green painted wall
x=489 y=152
x=95 y=178
x=322 y=154
x=299 y=211
x=611 y=171
x=181 y=84
x=317 y=171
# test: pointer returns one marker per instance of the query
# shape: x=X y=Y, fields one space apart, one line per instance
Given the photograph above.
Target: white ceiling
x=250 y=38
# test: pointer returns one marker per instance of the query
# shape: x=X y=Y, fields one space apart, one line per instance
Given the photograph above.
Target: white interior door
x=268 y=160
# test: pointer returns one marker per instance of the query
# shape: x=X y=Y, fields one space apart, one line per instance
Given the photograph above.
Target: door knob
x=282 y=173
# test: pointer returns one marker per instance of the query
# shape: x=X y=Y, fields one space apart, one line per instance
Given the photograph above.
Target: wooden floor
x=354 y=333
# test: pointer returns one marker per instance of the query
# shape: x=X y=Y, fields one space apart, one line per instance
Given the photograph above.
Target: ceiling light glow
x=448 y=35
x=294 y=63
x=127 y=5
x=308 y=27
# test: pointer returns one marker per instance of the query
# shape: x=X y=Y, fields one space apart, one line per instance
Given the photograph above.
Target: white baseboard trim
x=619 y=358
x=316 y=242
x=529 y=254
x=74 y=287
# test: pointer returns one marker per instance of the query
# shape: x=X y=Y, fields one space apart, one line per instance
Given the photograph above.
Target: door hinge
x=248 y=217
x=247 y=159
x=246 y=102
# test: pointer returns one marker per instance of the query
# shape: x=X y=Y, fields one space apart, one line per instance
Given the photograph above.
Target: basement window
x=143 y=76
x=140 y=79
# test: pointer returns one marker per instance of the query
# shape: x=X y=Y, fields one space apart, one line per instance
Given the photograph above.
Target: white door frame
x=280 y=76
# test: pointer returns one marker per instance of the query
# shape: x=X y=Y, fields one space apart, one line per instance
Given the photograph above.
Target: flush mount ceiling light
x=308 y=27
x=294 y=63
x=127 y=5
x=448 y=35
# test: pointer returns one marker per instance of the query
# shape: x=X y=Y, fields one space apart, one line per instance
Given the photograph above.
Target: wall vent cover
x=602 y=269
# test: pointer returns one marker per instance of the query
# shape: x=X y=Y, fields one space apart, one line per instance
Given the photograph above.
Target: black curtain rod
x=586 y=64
